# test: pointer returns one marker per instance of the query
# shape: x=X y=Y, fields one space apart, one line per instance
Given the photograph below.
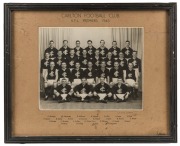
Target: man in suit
x=51 y=50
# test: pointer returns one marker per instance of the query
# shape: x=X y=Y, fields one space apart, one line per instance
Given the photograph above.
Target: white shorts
x=120 y=96
x=130 y=82
x=102 y=95
x=90 y=81
x=114 y=80
x=50 y=82
x=76 y=82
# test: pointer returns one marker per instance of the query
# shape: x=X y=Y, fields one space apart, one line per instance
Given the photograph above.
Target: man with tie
x=51 y=50
x=102 y=49
x=63 y=92
x=90 y=49
x=102 y=91
x=114 y=50
x=50 y=80
x=65 y=49
x=127 y=51
x=83 y=91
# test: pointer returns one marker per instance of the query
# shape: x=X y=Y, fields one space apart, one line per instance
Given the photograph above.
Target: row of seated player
x=90 y=50
x=92 y=75
x=84 y=92
x=96 y=60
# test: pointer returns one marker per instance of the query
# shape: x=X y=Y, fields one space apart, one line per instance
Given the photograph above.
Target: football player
x=116 y=72
x=136 y=62
x=120 y=91
x=45 y=63
x=78 y=49
x=90 y=73
x=51 y=50
x=65 y=49
x=109 y=60
x=96 y=60
x=127 y=51
x=77 y=74
x=58 y=61
x=131 y=80
x=83 y=90
x=64 y=73
x=84 y=59
x=71 y=59
x=102 y=49
x=114 y=50
x=50 y=80
x=64 y=91
x=90 y=49
x=122 y=61
x=102 y=72
x=102 y=91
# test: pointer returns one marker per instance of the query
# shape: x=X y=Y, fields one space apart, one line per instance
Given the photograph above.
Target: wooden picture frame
x=171 y=9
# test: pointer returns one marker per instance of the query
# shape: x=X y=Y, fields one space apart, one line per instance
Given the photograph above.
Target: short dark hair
x=102 y=40
x=115 y=42
x=65 y=41
x=135 y=51
x=89 y=41
x=63 y=62
x=77 y=41
x=128 y=41
x=51 y=41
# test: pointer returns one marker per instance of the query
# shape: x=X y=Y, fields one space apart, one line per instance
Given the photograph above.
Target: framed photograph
x=97 y=73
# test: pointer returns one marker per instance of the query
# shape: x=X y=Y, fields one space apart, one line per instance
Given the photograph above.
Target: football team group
x=90 y=74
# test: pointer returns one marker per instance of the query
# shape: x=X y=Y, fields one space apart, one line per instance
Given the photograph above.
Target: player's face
x=59 y=53
x=119 y=81
x=121 y=55
x=77 y=65
x=83 y=81
x=102 y=43
x=64 y=82
x=97 y=52
x=72 y=52
x=90 y=44
x=130 y=65
x=109 y=54
x=114 y=44
x=47 y=55
x=127 y=44
x=65 y=43
x=77 y=44
x=63 y=65
x=52 y=64
x=101 y=80
x=134 y=54
x=51 y=44
x=103 y=64
x=90 y=64
x=84 y=52
x=116 y=64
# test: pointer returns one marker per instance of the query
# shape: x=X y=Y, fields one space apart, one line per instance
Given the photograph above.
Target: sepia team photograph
x=91 y=68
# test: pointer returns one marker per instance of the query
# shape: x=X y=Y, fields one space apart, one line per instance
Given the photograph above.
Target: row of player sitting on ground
x=84 y=92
